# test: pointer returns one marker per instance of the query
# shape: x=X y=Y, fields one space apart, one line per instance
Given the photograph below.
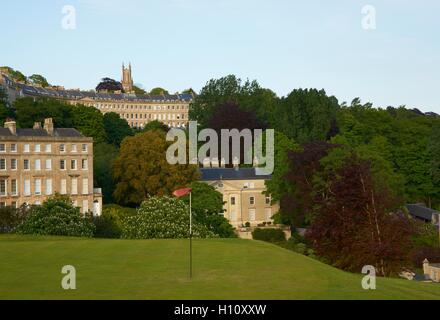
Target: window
x=2 y=204
x=62 y=148
x=74 y=148
x=2 y=147
x=13 y=164
x=37 y=186
x=251 y=201
x=74 y=186
x=62 y=164
x=37 y=164
x=14 y=204
x=85 y=206
x=84 y=148
x=48 y=148
x=27 y=187
x=13 y=147
x=252 y=215
x=85 y=186
x=26 y=148
x=84 y=164
x=73 y=164
x=48 y=187
x=268 y=214
x=48 y=165
x=26 y=164
x=63 y=186
x=37 y=148
x=14 y=189
x=267 y=200
x=2 y=187
x=2 y=164
x=233 y=201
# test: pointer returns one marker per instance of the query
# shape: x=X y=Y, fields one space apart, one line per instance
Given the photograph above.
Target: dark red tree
x=356 y=227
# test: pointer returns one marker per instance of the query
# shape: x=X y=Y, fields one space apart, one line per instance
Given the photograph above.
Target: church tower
x=127 y=80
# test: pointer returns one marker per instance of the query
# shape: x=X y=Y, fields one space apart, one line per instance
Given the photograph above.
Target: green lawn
x=30 y=268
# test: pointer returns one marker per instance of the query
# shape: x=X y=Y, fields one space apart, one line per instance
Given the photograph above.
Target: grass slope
x=30 y=268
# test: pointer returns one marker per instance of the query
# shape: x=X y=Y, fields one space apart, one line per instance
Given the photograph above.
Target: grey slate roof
x=78 y=95
x=422 y=212
x=213 y=174
x=58 y=132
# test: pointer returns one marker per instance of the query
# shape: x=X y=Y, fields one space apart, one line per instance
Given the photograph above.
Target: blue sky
x=284 y=44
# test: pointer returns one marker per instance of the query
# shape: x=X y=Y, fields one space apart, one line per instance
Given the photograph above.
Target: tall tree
x=230 y=89
x=355 y=226
x=103 y=157
x=116 y=128
x=141 y=169
x=306 y=115
x=38 y=80
x=90 y=122
x=108 y=84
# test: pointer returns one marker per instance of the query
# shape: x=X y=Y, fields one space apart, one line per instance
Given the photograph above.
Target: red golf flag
x=181 y=192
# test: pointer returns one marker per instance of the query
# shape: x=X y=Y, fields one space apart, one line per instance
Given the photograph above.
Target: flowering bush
x=58 y=217
x=162 y=218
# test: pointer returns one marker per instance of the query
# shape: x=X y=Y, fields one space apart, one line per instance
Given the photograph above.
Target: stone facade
x=137 y=110
x=431 y=271
x=243 y=195
x=39 y=162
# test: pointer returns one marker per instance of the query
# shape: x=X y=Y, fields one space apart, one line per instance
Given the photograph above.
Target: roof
x=58 y=132
x=213 y=174
x=422 y=212
x=79 y=95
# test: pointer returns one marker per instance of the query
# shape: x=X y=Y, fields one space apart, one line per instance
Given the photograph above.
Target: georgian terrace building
x=39 y=162
x=137 y=110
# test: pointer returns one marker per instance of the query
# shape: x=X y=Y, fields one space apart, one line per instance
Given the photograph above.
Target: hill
x=158 y=269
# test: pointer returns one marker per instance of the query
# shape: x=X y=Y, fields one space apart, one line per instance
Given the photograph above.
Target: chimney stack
x=37 y=125
x=48 y=125
x=11 y=125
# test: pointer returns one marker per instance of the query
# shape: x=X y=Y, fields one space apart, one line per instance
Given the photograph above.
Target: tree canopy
x=141 y=169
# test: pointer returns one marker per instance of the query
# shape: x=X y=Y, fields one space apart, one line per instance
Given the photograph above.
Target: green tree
x=231 y=90
x=103 y=157
x=189 y=91
x=306 y=115
x=155 y=125
x=138 y=90
x=141 y=169
x=90 y=122
x=14 y=74
x=30 y=110
x=158 y=91
x=116 y=128
x=5 y=112
x=38 y=80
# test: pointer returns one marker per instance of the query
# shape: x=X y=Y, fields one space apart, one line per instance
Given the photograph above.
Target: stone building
x=431 y=271
x=39 y=162
x=243 y=195
x=137 y=110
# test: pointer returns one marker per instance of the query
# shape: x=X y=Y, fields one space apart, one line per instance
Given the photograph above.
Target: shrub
x=58 y=217
x=219 y=225
x=162 y=218
x=426 y=235
x=269 y=235
x=11 y=217
x=109 y=224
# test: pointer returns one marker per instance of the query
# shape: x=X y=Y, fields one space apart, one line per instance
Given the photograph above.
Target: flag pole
x=190 y=237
